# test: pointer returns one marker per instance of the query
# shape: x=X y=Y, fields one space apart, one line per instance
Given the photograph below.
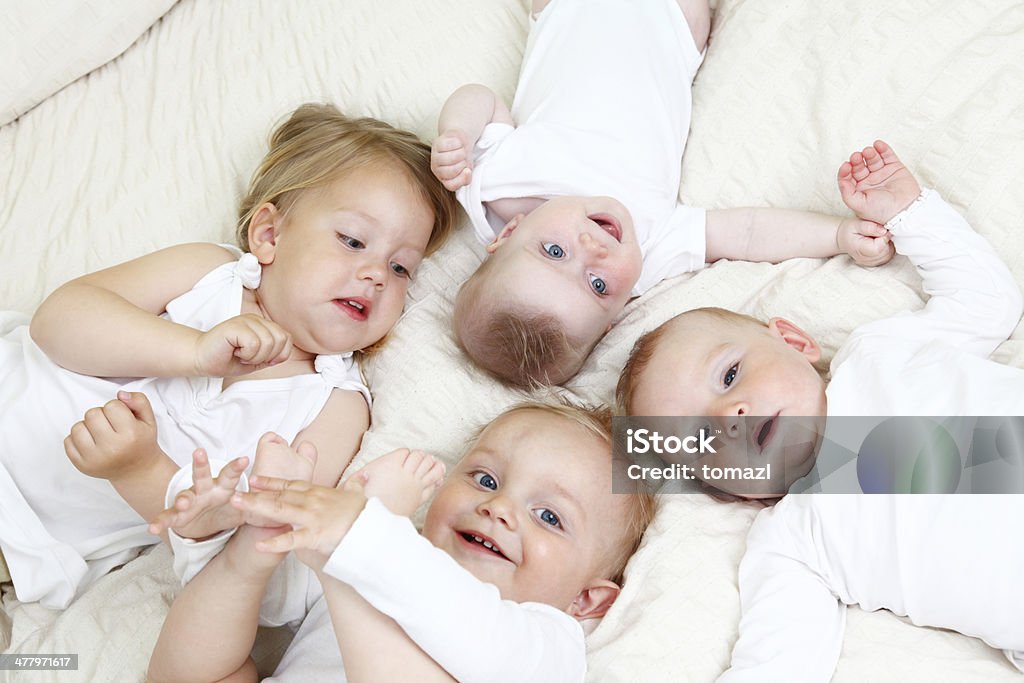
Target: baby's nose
x=592 y=245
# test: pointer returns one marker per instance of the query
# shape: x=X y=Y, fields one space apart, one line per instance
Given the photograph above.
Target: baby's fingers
x=164 y=521
x=202 y=477
x=875 y=251
x=283 y=506
x=872 y=229
x=290 y=540
x=229 y=476
x=254 y=344
x=448 y=142
x=269 y=483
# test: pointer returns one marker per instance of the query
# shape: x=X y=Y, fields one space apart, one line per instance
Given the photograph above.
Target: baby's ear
x=264 y=227
x=796 y=338
x=504 y=234
x=594 y=601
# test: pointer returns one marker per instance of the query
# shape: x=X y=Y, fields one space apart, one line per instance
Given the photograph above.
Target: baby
x=942 y=561
x=227 y=345
x=523 y=542
x=575 y=190
x=734 y=369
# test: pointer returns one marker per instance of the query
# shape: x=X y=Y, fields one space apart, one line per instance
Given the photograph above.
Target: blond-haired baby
x=575 y=189
x=523 y=544
x=230 y=342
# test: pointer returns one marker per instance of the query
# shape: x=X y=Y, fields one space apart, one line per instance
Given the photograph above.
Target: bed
x=132 y=125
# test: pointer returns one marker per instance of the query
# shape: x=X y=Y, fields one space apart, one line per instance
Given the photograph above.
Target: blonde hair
x=318 y=144
x=598 y=422
x=519 y=349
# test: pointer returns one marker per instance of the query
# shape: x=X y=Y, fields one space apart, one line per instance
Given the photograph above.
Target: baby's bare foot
x=876 y=184
x=402 y=479
x=276 y=458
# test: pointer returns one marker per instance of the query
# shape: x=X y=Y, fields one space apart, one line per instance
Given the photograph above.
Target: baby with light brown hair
x=575 y=189
x=523 y=544
x=756 y=383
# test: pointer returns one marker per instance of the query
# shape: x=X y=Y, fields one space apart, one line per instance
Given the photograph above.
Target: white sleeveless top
x=53 y=518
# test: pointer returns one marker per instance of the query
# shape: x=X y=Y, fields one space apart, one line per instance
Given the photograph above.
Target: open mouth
x=482 y=542
x=356 y=308
x=609 y=224
x=764 y=433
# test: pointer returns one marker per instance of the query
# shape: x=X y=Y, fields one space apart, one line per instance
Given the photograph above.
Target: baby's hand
x=204 y=510
x=876 y=184
x=868 y=243
x=451 y=159
x=402 y=480
x=320 y=516
x=115 y=441
x=241 y=345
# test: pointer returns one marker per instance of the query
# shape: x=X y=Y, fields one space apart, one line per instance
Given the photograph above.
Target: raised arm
x=974 y=303
x=107 y=323
x=774 y=235
x=461 y=123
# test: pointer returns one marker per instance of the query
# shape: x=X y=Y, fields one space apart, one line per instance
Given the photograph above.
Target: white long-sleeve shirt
x=935 y=361
x=460 y=621
x=952 y=561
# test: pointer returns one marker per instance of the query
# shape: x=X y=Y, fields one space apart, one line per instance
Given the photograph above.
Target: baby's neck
x=508 y=208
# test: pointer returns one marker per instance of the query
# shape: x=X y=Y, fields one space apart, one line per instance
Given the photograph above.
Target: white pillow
x=46 y=44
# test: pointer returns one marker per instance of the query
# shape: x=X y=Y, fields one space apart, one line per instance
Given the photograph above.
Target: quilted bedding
x=154 y=148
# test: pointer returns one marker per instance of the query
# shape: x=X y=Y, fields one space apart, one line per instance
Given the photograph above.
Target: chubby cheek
x=389 y=308
x=543 y=571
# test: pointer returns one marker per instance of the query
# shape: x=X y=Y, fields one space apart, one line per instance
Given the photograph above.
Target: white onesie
x=59 y=529
x=602 y=108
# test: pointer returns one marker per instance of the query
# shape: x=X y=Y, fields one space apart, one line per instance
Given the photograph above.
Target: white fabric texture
x=602 y=107
x=154 y=148
x=944 y=561
x=62 y=529
x=46 y=44
x=935 y=361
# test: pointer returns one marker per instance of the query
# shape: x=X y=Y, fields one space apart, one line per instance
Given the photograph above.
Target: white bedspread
x=155 y=147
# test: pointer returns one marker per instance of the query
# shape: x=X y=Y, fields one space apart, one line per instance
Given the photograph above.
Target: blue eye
x=350 y=242
x=598 y=285
x=730 y=374
x=553 y=250
x=400 y=270
x=485 y=480
x=549 y=517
